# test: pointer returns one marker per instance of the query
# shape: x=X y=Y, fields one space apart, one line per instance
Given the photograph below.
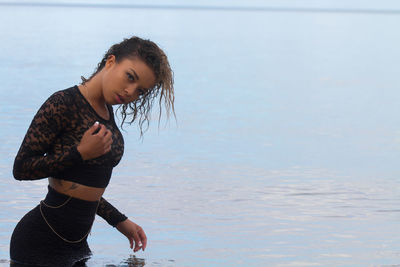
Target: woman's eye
x=130 y=77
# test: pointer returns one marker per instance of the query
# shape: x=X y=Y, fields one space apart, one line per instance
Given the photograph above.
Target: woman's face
x=125 y=81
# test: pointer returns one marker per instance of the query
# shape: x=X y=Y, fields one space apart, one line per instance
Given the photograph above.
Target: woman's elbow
x=18 y=172
x=17 y=175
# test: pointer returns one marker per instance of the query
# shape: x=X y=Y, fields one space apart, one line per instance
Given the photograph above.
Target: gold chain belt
x=54 y=231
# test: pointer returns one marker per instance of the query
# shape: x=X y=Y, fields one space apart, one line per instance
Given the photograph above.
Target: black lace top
x=49 y=148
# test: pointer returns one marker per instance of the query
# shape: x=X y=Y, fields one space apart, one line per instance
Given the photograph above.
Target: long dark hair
x=156 y=59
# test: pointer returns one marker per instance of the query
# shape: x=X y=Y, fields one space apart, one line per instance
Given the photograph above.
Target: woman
x=74 y=142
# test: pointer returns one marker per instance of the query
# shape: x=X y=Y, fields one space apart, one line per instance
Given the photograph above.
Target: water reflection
x=132 y=261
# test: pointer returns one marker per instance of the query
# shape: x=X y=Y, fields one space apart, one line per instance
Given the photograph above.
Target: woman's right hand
x=93 y=145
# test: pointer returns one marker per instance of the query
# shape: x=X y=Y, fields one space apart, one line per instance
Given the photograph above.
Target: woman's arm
x=109 y=213
x=32 y=161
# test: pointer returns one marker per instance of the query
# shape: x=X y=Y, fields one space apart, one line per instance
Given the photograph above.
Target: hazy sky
x=351 y=4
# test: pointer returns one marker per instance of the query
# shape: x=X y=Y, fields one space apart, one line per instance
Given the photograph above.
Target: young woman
x=74 y=142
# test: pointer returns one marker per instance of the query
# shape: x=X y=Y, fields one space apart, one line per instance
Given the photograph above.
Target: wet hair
x=157 y=61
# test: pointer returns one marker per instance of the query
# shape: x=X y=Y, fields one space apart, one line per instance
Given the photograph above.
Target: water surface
x=286 y=142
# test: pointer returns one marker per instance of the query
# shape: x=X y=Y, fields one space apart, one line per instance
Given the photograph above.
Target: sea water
x=286 y=142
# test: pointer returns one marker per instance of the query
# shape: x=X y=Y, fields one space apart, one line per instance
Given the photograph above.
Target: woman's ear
x=110 y=61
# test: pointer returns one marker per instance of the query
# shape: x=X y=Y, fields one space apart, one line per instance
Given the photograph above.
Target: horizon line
x=210 y=8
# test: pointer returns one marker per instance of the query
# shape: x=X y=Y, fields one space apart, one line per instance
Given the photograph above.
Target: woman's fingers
x=140 y=239
x=102 y=130
x=94 y=128
x=137 y=241
x=143 y=238
x=135 y=234
x=105 y=136
x=96 y=142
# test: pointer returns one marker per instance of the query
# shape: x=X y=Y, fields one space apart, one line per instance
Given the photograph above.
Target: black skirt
x=54 y=233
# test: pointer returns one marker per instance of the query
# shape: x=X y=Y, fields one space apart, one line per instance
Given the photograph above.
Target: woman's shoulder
x=63 y=97
x=60 y=101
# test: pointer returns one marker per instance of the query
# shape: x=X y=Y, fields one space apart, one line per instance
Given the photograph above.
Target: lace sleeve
x=109 y=213
x=33 y=160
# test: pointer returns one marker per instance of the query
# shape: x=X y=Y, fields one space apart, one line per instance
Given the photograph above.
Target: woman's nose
x=131 y=90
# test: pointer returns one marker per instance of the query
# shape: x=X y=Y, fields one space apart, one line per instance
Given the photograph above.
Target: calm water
x=286 y=144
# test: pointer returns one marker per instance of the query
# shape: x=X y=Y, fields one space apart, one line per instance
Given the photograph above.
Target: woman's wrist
x=121 y=223
x=77 y=155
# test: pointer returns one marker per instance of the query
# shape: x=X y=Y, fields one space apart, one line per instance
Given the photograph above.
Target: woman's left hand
x=134 y=233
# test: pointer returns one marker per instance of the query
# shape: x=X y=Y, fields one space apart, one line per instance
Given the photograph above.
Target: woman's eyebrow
x=134 y=72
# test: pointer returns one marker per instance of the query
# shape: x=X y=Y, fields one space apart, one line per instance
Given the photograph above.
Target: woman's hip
x=57 y=228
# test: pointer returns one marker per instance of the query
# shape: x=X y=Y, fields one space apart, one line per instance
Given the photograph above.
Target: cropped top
x=49 y=148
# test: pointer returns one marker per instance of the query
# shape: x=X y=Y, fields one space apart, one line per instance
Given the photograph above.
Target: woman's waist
x=97 y=176
x=68 y=217
x=76 y=190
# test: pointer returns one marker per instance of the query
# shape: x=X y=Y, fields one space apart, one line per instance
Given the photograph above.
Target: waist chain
x=54 y=231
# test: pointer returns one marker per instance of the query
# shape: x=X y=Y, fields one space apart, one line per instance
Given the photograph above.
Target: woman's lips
x=120 y=99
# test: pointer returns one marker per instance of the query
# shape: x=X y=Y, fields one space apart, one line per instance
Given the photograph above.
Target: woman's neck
x=93 y=92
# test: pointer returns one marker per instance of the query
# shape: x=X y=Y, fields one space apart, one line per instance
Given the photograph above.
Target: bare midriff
x=76 y=190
